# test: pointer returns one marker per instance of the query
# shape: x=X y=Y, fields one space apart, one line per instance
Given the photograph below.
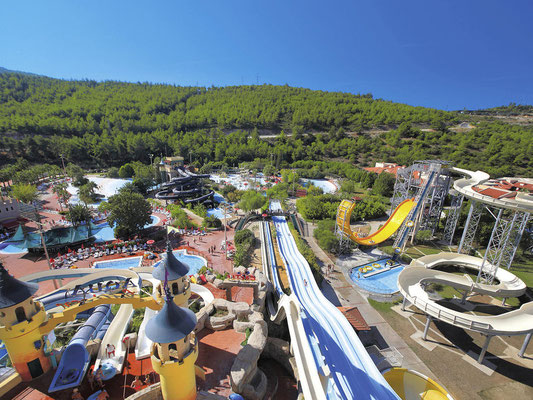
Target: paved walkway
x=341 y=293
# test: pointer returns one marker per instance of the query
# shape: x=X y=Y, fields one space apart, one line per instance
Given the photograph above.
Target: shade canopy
x=13 y=291
x=176 y=269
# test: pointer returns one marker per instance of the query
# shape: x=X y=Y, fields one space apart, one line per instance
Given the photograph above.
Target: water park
x=237 y=311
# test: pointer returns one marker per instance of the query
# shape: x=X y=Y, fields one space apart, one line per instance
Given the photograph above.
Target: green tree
x=269 y=170
x=384 y=184
x=60 y=189
x=113 y=173
x=77 y=174
x=87 y=192
x=252 y=200
x=78 y=214
x=129 y=212
x=23 y=192
x=126 y=171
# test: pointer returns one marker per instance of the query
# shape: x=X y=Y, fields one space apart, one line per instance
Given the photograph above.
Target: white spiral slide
x=412 y=279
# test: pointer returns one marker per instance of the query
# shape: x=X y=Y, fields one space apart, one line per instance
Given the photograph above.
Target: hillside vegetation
x=104 y=124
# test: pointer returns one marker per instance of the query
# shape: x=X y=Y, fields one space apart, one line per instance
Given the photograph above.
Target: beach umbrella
x=150 y=241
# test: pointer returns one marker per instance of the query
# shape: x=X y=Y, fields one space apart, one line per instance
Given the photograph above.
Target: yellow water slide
x=412 y=385
x=393 y=223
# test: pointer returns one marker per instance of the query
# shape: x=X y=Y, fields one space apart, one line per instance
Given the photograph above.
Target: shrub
x=244 y=242
x=325 y=236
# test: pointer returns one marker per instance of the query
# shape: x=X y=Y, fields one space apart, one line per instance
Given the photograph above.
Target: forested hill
x=41 y=105
x=110 y=123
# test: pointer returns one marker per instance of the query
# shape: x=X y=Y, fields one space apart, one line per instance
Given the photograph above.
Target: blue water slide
x=75 y=358
x=351 y=368
x=272 y=258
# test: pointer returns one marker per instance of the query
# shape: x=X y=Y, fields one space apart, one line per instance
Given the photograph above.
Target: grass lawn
x=382 y=307
x=523 y=268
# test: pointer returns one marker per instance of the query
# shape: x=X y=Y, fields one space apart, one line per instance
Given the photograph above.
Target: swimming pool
x=217 y=212
x=219 y=198
x=120 y=263
x=385 y=282
x=12 y=249
x=193 y=262
x=106 y=187
x=105 y=232
x=324 y=184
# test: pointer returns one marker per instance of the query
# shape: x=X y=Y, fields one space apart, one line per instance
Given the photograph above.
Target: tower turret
x=20 y=318
x=174 y=349
x=174 y=272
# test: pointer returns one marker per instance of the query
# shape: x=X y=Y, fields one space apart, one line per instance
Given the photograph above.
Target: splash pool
x=385 y=282
x=193 y=262
x=120 y=263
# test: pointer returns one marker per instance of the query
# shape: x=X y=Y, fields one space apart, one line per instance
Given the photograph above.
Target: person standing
x=137 y=383
x=100 y=377
x=76 y=395
x=110 y=350
x=90 y=379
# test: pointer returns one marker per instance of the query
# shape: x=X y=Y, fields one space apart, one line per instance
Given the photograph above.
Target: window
x=172 y=346
x=175 y=288
x=20 y=314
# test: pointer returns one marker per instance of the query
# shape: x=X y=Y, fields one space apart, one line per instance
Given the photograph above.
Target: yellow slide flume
x=386 y=231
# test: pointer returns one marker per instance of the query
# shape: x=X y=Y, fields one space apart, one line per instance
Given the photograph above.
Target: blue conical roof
x=176 y=269
x=170 y=324
x=13 y=291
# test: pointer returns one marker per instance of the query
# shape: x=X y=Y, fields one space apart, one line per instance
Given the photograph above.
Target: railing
x=454 y=319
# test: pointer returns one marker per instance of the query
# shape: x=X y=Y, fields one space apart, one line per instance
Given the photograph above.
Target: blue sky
x=437 y=53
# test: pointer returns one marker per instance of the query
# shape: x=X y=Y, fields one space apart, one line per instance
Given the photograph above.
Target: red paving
x=245 y=294
x=31 y=394
x=217 y=351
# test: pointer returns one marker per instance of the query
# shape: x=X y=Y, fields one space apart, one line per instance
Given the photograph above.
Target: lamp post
x=43 y=241
x=225 y=237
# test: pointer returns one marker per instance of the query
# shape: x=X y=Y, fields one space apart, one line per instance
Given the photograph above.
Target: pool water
x=219 y=198
x=217 y=212
x=385 y=282
x=105 y=232
x=193 y=262
x=121 y=263
x=324 y=184
x=106 y=187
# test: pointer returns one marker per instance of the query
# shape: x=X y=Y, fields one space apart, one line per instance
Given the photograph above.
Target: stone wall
x=245 y=377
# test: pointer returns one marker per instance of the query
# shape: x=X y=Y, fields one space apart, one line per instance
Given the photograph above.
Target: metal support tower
x=469 y=232
x=498 y=241
x=453 y=217
x=409 y=182
x=435 y=201
x=518 y=225
x=406 y=181
x=410 y=221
